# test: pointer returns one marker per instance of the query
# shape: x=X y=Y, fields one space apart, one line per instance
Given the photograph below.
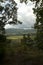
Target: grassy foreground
x=17 y=53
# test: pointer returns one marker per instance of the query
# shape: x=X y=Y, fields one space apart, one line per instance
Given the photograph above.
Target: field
x=14 y=37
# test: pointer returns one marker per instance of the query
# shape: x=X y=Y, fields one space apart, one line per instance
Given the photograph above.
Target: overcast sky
x=25 y=15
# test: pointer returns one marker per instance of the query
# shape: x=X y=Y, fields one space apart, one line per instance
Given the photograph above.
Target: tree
x=38 y=11
x=7 y=12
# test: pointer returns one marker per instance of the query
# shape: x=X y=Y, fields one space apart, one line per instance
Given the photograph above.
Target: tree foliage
x=38 y=10
x=8 y=10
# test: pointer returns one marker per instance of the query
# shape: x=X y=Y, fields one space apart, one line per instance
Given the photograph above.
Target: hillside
x=12 y=31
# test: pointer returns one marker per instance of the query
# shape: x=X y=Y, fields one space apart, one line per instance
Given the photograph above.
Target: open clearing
x=14 y=37
x=18 y=37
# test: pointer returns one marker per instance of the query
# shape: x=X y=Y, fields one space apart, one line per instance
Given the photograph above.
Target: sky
x=25 y=15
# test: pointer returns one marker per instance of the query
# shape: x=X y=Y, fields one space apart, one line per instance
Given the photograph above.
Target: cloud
x=25 y=15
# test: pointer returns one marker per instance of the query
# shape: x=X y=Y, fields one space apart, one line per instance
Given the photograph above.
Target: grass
x=21 y=54
x=18 y=37
x=14 y=37
x=24 y=55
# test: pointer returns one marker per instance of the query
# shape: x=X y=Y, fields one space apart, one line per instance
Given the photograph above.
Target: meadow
x=14 y=37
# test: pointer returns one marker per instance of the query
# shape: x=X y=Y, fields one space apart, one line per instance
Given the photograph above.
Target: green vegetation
x=14 y=37
x=38 y=11
x=21 y=53
x=21 y=50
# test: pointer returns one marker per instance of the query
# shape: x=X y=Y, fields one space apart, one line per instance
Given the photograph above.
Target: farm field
x=14 y=37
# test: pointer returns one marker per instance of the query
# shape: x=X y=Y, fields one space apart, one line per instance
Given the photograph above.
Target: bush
x=2 y=38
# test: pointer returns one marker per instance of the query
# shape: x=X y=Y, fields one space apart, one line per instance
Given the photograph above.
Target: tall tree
x=8 y=10
x=38 y=11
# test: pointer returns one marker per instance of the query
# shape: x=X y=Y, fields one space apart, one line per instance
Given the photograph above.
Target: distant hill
x=13 y=31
